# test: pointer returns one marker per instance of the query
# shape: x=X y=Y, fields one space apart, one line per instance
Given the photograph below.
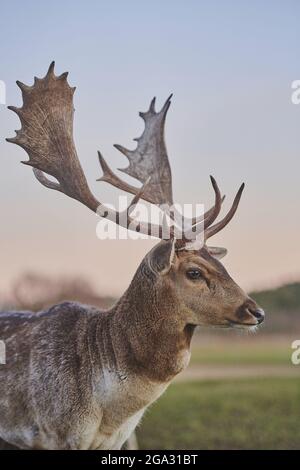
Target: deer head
x=195 y=288
x=190 y=276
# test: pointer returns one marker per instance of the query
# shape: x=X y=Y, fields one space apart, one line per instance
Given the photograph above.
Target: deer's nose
x=258 y=313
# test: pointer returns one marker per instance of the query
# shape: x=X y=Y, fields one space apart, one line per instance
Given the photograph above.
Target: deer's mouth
x=242 y=325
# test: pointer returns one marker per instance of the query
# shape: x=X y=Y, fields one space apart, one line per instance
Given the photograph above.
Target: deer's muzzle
x=248 y=314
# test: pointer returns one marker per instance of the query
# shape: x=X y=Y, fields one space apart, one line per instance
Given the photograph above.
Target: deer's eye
x=194 y=274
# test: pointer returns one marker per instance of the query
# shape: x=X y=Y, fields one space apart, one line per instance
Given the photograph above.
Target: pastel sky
x=230 y=65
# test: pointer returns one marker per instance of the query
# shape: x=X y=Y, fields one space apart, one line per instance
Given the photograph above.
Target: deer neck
x=147 y=335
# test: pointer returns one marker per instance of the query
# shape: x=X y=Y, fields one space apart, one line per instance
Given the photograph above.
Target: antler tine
x=204 y=221
x=41 y=177
x=205 y=224
x=209 y=212
x=220 y=225
x=110 y=177
x=200 y=218
x=211 y=217
x=51 y=68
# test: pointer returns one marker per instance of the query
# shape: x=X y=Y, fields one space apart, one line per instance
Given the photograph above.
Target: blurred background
x=230 y=65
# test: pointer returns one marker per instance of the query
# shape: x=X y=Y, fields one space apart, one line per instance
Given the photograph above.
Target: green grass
x=239 y=414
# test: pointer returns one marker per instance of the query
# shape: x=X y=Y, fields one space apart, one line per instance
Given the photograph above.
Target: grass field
x=236 y=414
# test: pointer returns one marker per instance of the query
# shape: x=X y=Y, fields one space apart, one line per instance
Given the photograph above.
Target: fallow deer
x=80 y=378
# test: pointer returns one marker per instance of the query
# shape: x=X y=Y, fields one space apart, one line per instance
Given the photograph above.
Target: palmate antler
x=47 y=136
x=150 y=158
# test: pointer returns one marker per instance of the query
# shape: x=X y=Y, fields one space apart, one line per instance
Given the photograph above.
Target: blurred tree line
x=36 y=292
x=282 y=307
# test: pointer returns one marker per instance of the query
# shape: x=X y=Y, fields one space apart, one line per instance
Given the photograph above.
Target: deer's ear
x=217 y=252
x=162 y=256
